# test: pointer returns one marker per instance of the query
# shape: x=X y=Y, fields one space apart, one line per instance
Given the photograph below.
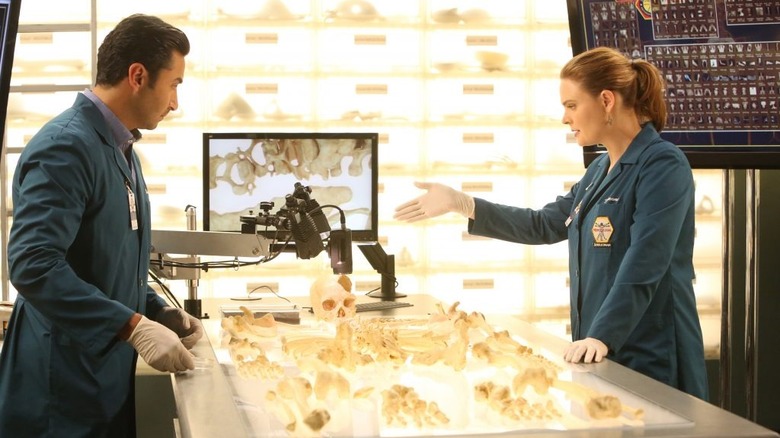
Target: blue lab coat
x=630 y=236
x=81 y=272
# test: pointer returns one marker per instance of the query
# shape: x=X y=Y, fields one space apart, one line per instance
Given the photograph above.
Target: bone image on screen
x=246 y=171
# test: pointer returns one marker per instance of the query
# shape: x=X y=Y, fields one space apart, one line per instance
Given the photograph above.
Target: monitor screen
x=721 y=63
x=243 y=170
x=9 y=23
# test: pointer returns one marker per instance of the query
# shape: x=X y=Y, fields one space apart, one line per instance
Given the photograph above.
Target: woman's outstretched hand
x=436 y=201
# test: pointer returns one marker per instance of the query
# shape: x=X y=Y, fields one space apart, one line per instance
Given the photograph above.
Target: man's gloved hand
x=160 y=347
x=585 y=350
x=189 y=328
x=438 y=199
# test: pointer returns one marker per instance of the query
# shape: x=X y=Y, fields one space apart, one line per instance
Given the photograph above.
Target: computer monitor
x=241 y=170
x=720 y=62
x=9 y=25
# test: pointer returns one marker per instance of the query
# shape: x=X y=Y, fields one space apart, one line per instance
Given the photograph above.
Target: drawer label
x=478 y=88
x=371 y=89
x=477 y=186
x=481 y=40
x=156 y=189
x=155 y=138
x=478 y=137
x=261 y=38
x=262 y=88
x=36 y=38
x=374 y=40
x=478 y=283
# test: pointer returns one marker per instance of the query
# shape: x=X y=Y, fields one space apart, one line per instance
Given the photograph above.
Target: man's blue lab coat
x=81 y=272
x=631 y=235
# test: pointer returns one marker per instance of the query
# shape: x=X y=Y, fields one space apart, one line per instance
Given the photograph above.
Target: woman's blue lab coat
x=630 y=236
x=81 y=272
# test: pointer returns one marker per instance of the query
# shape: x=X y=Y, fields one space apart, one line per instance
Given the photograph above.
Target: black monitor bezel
x=7 y=62
x=358 y=236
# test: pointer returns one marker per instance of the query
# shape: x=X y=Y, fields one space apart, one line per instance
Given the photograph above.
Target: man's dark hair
x=138 y=38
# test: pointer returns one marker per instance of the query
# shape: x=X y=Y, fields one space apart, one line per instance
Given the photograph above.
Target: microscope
x=300 y=221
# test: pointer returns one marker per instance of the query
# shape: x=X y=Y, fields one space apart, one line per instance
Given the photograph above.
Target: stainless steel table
x=208 y=407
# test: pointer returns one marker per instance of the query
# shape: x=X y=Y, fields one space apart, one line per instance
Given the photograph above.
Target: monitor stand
x=384 y=264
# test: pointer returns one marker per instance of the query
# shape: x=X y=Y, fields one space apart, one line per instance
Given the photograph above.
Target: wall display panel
x=720 y=61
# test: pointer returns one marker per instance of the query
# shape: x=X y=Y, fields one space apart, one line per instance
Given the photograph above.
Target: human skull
x=331 y=298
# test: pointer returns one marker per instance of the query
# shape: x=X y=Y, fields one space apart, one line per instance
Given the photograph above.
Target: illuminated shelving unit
x=464 y=93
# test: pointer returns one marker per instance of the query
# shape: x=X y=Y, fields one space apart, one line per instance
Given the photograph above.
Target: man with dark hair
x=78 y=251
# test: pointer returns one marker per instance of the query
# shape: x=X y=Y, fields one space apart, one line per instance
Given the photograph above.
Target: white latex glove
x=189 y=328
x=585 y=350
x=160 y=347
x=438 y=199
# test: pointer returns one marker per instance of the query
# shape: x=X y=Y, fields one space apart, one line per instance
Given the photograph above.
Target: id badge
x=131 y=207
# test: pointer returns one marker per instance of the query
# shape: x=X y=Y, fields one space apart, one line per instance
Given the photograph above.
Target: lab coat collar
x=602 y=180
x=646 y=137
x=101 y=125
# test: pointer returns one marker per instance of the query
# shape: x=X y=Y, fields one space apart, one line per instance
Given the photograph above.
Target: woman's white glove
x=438 y=199
x=160 y=347
x=189 y=328
x=585 y=350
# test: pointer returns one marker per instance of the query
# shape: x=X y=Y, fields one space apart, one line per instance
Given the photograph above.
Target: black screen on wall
x=9 y=22
x=721 y=63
